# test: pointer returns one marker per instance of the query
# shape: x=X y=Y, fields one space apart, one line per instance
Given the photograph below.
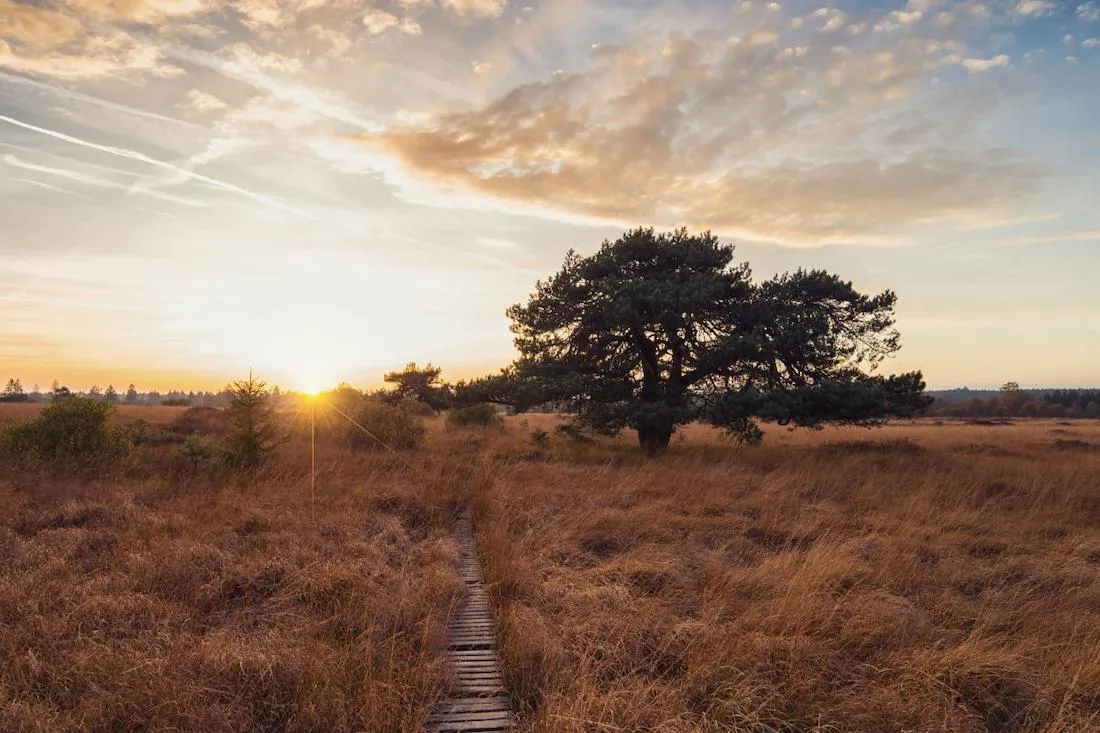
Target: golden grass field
x=919 y=577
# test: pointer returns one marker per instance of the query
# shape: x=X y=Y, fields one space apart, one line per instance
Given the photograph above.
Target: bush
x=202 y=420
x=74 y=428
x=479 y=416
x=416 y=407
x=196 y=452
x=574 y=431
x=396 y=426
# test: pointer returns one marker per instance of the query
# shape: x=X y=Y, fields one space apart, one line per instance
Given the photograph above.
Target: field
x=921 y=577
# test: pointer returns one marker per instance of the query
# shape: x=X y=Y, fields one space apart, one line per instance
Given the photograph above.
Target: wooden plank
x=480 y=702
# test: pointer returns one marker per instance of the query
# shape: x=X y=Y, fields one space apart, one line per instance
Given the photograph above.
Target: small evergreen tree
x=131 y=395
x=111 y=395
x=255 y=430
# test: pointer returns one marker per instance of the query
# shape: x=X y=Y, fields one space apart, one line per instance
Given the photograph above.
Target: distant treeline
x=423 y=384
x=14 y=391
x=1012 y=401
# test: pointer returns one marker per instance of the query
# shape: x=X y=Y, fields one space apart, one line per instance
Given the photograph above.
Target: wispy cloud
x=90 y=180
x=759 y=139
x=980 y=65
x=57 y=91
x=143 y=158
x=49 y=187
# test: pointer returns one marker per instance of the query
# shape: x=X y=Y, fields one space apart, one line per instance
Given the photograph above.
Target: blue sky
x=325 y=189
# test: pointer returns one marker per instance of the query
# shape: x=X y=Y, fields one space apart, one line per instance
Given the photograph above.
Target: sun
x=311 y=387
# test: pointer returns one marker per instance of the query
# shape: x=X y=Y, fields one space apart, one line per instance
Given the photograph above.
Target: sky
x=324 y=190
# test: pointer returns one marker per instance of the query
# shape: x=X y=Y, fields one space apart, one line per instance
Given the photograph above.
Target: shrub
x=416 y=407
x=197 y=452
x=395 y=426
x=74 y=428
x=574 y=431
x=479 y=416
x=202 y=420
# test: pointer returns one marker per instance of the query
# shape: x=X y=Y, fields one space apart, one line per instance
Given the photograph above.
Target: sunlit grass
x=921 y=577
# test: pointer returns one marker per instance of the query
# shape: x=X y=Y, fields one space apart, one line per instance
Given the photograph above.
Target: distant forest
x=1012 y=401
x=1008 y=401
x=14 y=391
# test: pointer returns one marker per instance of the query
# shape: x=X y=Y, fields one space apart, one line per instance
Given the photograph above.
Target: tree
x=131 y=395
x=423 y=385
x=1011 y=399
x=656 y=330
x=111 y=395
x=255 y=430
x=13 y=392
x=59 y=392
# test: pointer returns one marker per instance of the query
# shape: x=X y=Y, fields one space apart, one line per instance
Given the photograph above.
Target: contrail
x=217 y=148
x=300 y=95
x=51 y=187
x=78 y=177
x=77 y=96
x=143 y=158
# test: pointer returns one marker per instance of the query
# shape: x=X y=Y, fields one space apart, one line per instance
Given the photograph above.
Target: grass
x=917 y=578
x=922 y=577
x=216 y=603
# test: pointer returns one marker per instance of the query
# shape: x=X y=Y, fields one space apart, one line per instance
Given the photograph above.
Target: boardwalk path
x=478 y=701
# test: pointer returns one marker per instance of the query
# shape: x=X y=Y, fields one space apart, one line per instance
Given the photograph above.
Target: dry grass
x=923 y=577
x=124 y=414
x=918 y=578
x=218 y=604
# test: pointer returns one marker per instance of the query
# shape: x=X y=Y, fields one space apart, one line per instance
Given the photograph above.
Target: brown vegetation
x=215 y=603
x=904 y=579
x=921 y=577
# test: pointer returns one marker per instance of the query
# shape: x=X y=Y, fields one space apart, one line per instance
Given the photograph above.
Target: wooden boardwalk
x=478 y=702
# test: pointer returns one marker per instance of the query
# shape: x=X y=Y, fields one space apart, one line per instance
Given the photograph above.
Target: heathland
x=925 y=576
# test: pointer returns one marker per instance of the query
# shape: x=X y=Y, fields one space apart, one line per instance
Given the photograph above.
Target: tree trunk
x=654 y=439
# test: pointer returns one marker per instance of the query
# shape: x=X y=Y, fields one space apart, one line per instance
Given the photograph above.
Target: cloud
x=268 y=72
x=474 y=8
x=978 y=66
x=37 y=28
x=1080 y=235
x=104 y=55
x=86 y=179
x=154 y=162
x=1089 y=12
x=59 y=43
x=378 y=22
x=264 y=16
x=779 y=143
x=139 y=11
x=834 y=23
x=49 y=187
x=1091 y=42
x=1034 y=8
x=762 y=37
x=897 y=19
x=203 y=102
